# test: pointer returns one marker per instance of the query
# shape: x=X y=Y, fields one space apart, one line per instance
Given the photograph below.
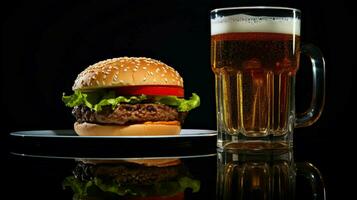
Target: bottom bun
x=89 y=129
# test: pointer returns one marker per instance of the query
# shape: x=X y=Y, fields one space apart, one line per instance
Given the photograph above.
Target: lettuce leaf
x=96 y=100
x=115 y=101
x=182 y=105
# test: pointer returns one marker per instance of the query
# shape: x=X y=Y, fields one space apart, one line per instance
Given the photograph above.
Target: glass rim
x=255 y=7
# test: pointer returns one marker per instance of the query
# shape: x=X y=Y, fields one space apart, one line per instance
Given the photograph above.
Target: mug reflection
x=266 y=175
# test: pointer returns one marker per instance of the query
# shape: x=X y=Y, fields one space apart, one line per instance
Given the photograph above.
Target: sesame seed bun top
x=127 y=71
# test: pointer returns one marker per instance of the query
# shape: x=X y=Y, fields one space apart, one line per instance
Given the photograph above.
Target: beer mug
x=269 y=175
x=255 y=53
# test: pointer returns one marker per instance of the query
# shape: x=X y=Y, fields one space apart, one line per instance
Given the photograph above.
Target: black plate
x=65 y=143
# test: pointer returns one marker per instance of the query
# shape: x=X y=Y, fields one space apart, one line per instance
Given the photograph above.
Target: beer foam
x=242 y=23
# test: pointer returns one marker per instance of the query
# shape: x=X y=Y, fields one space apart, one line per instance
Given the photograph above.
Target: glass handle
x=318 y=91
x=313 y=175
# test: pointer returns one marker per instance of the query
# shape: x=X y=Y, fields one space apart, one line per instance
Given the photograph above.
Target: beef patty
x=128 y=113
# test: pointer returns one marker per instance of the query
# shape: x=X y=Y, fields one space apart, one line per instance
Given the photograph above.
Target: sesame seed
x=144 y=68
x=97 y=82
x=121 y=81
x=125 y=69
x=105 y=76
x=103 y=82
x=165 y=80
x=135 y=69
x=144 y=79
x=162 y=75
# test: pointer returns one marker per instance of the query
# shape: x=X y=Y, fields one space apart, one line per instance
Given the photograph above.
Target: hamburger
x=142 y=179
x=129 y=96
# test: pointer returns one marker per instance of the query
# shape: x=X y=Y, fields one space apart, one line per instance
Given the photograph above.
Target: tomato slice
x=152 y=90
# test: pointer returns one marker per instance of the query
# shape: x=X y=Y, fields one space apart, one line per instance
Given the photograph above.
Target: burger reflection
x=137 y=179
x=268 y=175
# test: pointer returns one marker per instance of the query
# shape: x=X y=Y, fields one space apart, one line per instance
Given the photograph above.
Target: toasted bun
x=127 y=71
x=148 y=129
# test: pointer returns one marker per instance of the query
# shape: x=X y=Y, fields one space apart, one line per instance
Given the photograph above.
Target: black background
x=45 y=44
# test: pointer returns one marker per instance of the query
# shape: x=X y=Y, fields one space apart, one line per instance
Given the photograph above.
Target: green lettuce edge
x=96 y=101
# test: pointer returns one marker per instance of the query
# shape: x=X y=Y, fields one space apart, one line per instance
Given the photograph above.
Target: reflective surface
x=207 y=173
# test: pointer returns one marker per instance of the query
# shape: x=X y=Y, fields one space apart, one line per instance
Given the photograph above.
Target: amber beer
x=254 y=75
